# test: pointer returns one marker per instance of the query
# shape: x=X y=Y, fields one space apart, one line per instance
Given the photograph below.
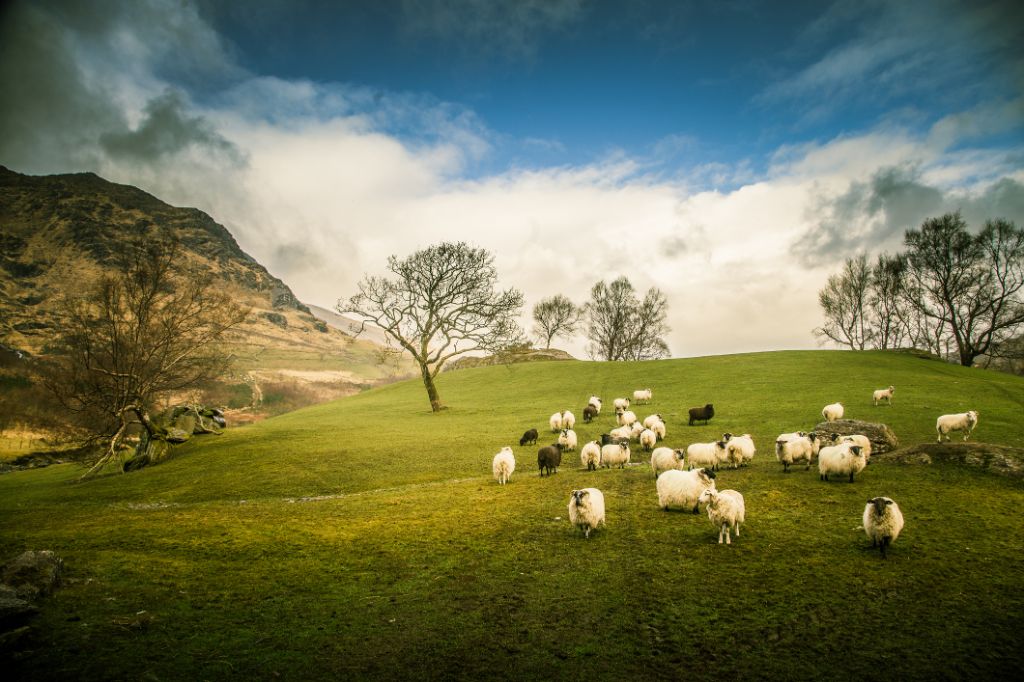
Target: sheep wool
x=625 y=418
x=503 y=465
x=586 y=509
x=568 y=440
x=801 y=448
x=590 y=455
x=643 y=395
x=706 y=454
x=614 y=454
x=726 y=511
x=621 y=403
x=555 y=422
x=845 y=459
x=652 y=419
x=740 y=450
x=948 y=423
x=595 y=402
x=858 y=439
x=568 y=420
x=682 y=489
x=883 y=394
x=832 y=412
x=648 y=439
x=883 y=522
x=664 y=459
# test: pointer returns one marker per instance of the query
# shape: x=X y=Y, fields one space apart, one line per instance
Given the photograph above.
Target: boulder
x=32 y=574
x=881 y=436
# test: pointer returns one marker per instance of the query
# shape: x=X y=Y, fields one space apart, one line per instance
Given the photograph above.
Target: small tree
x=621 y=327
x=441 y=303
x=556 y=316
x=844 y=302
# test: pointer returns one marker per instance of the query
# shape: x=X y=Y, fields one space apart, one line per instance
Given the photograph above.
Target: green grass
x=413 y=563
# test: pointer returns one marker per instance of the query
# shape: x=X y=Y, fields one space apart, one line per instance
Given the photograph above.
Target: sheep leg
x=696 y=509
x=851 y=477
x=728 y=536
x=720 y=532
x=737 y=529
x=885 y=544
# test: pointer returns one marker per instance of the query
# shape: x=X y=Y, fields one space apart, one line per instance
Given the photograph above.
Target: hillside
x=365 y=538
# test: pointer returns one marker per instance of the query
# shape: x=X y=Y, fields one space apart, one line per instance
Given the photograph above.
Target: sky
x=730 y=153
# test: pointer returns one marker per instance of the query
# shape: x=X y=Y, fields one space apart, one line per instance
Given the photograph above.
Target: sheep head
x=880 y=503
x=726 y=436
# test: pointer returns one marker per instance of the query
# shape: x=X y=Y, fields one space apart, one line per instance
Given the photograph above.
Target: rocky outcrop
x=996 y=459
x=25 y=579
x=881 y=436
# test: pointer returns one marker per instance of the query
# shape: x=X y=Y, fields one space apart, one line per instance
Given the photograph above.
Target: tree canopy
x=622 y=327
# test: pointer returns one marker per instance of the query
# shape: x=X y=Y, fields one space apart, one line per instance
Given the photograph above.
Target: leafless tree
x=440 y=303
x=844 y=301
x=889 y=310
x=556 y=316
x=621 y=327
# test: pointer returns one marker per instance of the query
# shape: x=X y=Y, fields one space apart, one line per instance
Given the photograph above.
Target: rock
x=15 y=613
x=33 y=574
x=997 y=459
x=881 y=436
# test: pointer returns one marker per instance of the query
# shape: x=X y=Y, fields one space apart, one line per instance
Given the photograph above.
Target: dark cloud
x=874 y=215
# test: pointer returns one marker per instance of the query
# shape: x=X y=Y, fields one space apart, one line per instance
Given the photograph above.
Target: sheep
x=503 y=465
x=622 y=433
x=832 y=412
x=682 y=489
x=796 y=449
x=589 y=412
x=642 y=396
x=726 y=511
x=705 y=454
x=648 y=439
x=740 y=450
x=590 y=455
x=842 y=459
x=615 y=453
x=586 y=510
x=663 y=459
x=555 y=422
x=620 y=404
x=607 y=438
x=529 y=436
x=965 y=422
x=549 y=458
x=652 y=419
x=702 y=413
x=790 y=436
x=635 y=430
x=659 y=429
x=857 y=439
x=568 y=420
x=883 y=394
x=883 y=522
x=625 y=418
x=567 y=439
x=595 y=402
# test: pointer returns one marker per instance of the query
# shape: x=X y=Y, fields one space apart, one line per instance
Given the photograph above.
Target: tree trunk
x=428 y=383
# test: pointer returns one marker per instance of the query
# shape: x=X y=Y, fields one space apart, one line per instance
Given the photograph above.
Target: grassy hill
x=365 y=538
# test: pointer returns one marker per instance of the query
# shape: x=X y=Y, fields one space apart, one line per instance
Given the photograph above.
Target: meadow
x=366 y=539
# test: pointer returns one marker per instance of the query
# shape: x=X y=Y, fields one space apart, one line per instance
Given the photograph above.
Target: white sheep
x=590 y=455
x=568 y=420
x=790 y=436
x=555 y=422
x=663 y=459
x=802 y=448
x=726 y=511
x=845 y=459
x=857 y=439
x=682 y=489
x=622 y=433
x=883 y=522
x=883 y=394
x=503 y=465
x=567 y=439
x=625 y=418
x=705 y=454
x=832 y=412
x=965 y=422
x=652 y=419
x=595 y=402
x=586 y=509
x=648 y=439
x=635 y=430
x=659 y=429
x=642 y=396
x=740 y=450
x=614 y=453
x=621 y=404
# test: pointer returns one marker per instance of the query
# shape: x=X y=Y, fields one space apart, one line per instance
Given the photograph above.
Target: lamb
x=726 y=511
x=503 y=465
x=625 y=417
x=549 y=458
x=883 y=522
x=567 y=439
x=857 y=439
x=590 y=455
x=965 y=422
x=682 y=489
x=620 y=404
x=642 y=396
x=702 y=413
x=832 y=412
x=589 y=412
x=796 y=449
x=595 y=402
x=843 y=459
x=586 y=509
x=740 y=450
x=648 y=439
x=652 y=419
x=883 y=394
x=615 y=453
x=664 y=459
x=555 y=422
x=568 y=420
x=529 y=437
x=706 y=454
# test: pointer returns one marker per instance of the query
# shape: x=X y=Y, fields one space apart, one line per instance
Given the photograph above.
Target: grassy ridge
x=415 y=563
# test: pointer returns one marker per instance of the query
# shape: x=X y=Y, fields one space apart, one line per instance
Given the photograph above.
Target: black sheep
x=548 y=458
x=529 y=437
x=702 y=413
x=589 y=412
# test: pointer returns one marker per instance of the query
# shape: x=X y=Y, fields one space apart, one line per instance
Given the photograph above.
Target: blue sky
x=741 y=149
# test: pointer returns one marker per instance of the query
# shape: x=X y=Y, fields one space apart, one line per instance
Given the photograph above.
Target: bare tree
x=556 y=316
x=441 y=303
x=648 y=328
x=889 y=310
x=151 y=327
x=844 y=301
x=621 y=327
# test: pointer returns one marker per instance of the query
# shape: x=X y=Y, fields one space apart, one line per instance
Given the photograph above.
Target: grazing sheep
x=529 y=437
x=706 y=454
x=698 y=414
x=652 y=419
x=682 y=489
x=965 y=422
x=620 y=404
x=832 y=412
x=595 y=402
x=726 y=511
x=857 y=439
x=622 y=433
x=555 y=422
x=567 y=439
x=549 y=458
x=843 y=459
x=648 y=439
x=642 y=396
x=790 y=436
x=590 y=455
x=625 y=418
x=663 y=459
x=568 y=420
x=883 y=522
x=503 y=465
x=635 y=430
x=607 y=438
x=659 y=429
x=740 y=450
x=796 y=449
x=883 y=394
x=615 y=453
x=589 y=412
x=586 y=509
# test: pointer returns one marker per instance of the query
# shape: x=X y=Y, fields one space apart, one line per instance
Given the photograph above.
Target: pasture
x=366 y=539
